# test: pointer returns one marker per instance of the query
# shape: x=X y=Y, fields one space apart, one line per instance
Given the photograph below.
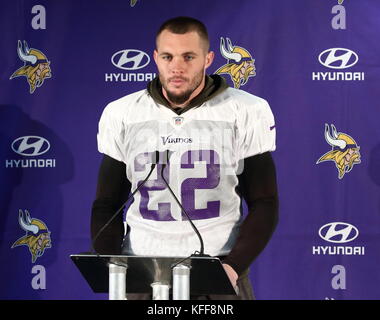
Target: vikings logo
x=36 y=66
x=133 y=2
x=345 y=151
x=340 y=1
x=37 y=236
x=240 y=65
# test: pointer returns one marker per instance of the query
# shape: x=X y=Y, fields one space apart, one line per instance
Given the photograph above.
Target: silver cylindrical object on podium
x=181 y=282
x=117 y=282
x=160 y=291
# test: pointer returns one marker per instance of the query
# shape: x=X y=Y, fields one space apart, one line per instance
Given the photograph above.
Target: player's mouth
x=177 y=81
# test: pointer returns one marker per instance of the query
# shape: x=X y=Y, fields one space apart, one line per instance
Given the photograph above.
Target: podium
x=161 y=276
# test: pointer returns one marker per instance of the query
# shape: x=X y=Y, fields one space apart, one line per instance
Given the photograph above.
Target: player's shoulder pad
x=244 y=97
x=246 y=102
x=122 y=106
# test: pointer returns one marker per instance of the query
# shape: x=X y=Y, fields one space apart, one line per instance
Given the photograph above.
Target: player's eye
x=189 y=58
x=166 y=57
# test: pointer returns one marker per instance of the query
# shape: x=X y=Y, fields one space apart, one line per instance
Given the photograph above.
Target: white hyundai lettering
x=329 y=57
x=344 y=232
x=130 y=59
x=39 y=146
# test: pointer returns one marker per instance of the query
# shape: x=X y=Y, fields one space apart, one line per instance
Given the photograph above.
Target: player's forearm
x=258 y=186
x=110 y=239
x=255 y=233
x=112 y=191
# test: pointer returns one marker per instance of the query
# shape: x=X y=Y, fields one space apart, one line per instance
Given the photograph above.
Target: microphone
x=201 y=252
x=122 y=207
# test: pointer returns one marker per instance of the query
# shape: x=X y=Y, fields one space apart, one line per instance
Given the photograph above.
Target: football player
x=212 y=145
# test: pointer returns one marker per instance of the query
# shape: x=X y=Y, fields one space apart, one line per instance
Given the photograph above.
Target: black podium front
x=207 y=273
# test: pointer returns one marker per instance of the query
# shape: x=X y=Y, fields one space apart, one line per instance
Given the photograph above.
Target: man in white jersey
x=217 y=140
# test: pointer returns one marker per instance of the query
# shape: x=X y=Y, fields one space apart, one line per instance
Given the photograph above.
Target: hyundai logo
x=338 y=58
x=30 y=146
x=338 y=232
x=130 y=59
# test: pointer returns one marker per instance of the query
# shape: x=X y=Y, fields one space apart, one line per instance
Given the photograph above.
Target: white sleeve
x=257 y=131
x=111 y=133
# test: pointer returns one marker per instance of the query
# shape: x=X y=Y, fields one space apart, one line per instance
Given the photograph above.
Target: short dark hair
x=181 y=25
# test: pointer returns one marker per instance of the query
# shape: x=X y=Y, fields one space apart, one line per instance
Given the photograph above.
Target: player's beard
x=182 y=97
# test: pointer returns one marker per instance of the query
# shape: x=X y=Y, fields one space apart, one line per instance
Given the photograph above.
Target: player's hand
x=232 y=275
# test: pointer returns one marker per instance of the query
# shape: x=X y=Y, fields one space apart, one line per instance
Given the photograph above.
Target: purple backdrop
x=316 y=62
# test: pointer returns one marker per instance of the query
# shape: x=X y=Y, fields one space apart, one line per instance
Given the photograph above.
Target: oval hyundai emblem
x=30 y=146
x=338 y=232
x=130 y=59
x=338 y=58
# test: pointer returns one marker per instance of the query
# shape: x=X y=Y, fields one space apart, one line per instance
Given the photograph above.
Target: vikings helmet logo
x=37 y=236
x=240 y=65
x=36 y=66
x=345 y=151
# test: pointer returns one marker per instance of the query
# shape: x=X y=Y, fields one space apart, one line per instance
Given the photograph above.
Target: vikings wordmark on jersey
x=205 y=147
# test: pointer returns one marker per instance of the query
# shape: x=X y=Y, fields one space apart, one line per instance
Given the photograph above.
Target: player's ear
x=209 y=59
x=155 y=55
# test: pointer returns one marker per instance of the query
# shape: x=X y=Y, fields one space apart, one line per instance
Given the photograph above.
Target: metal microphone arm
x=201 y=253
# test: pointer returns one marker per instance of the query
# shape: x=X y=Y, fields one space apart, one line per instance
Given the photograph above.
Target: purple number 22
x=187 y=188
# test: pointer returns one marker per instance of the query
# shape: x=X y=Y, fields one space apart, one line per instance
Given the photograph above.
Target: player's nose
x=177 y=65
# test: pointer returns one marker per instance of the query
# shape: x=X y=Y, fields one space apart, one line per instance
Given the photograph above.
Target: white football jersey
x=205 y=145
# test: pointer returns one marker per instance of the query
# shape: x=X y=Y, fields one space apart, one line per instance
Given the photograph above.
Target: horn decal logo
x=36 y=66
x=240 y=64
x=344 y=153
x=37 y=236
